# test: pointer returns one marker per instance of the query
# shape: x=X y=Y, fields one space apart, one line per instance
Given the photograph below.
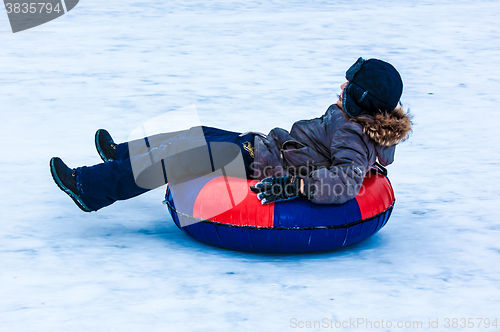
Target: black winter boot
x=65 y=179
x=105 y=145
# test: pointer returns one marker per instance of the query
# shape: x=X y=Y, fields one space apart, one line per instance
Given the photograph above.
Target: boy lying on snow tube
x=324 y=159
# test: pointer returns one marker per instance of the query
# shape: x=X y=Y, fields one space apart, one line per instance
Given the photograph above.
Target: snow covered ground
x=249 y=65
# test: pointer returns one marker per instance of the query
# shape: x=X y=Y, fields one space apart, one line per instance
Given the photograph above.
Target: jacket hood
x=387 y=128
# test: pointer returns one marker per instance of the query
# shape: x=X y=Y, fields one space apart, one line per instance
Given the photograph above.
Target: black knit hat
x=374 y=86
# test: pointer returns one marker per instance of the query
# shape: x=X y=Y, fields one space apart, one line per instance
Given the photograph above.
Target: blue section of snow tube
x=302 y=213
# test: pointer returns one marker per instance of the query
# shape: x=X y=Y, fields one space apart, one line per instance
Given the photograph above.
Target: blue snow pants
x=103 y=184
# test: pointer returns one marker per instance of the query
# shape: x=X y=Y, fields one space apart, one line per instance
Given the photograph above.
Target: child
x=324 y=159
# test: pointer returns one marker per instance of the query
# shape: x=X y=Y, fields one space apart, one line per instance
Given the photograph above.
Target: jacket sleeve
x=343 y=180
x=385 y=154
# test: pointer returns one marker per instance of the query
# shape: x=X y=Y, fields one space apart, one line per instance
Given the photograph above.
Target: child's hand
x=277 y=189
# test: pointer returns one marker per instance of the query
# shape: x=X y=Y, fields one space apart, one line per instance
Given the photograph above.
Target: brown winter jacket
x=332 y=153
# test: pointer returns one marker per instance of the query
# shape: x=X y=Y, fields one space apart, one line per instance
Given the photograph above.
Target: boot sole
x=61 y=186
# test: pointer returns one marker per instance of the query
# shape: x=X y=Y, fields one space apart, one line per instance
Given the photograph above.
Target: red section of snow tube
x=379 y=196
x=220 y=200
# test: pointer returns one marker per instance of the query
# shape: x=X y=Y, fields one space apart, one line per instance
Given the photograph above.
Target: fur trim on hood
x=385 y=128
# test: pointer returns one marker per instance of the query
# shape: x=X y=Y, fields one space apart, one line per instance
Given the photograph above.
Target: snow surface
x=250 y=65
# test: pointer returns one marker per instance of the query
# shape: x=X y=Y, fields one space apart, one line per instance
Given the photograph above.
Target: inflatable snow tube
x=222 y=211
